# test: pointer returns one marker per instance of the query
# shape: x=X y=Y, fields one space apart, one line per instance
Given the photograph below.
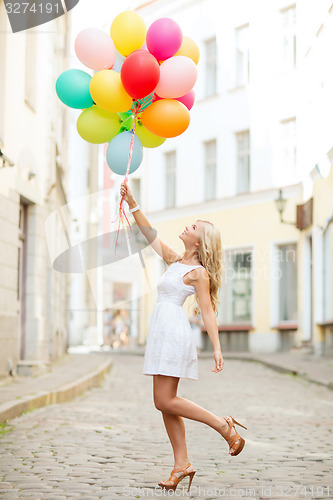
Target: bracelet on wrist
x=135 y=208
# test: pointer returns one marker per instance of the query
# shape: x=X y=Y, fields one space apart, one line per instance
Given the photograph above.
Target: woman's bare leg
x=175 y=428
x=167 y=401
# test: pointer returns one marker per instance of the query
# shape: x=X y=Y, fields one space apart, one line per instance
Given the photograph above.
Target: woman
x=170 y=353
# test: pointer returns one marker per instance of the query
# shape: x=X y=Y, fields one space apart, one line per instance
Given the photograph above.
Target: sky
x=98 y=13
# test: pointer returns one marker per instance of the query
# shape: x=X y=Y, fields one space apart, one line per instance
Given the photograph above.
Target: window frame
x=208 y=162
x=168 y=174
x=226 y=295
x=210 y=68
x=242 y=79
x=243 y=155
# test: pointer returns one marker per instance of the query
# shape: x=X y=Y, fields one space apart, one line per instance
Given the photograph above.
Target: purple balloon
x=164 y=38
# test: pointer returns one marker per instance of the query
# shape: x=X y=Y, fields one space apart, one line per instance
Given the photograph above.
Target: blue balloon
x=72 y=88
x=118 y=150
x=118 y=62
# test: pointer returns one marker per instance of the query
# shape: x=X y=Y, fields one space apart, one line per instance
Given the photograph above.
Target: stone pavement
x=110 y=442
x=85 y=367
x=299 y=362
x=68 y=377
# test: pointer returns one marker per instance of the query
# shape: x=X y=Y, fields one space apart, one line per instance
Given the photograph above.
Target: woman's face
x=192 y=232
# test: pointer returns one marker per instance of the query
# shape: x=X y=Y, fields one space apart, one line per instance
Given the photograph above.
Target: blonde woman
x=170 y=353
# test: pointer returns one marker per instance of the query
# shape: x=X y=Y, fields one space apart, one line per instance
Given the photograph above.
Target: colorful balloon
x=72 y=87
x=118 y=62
x=140 y=74
x=166 y=118
x=127 y=120
x=148 y=140
x=187 y=99
x=95 y=49
x=178 y=75
x=128 y=31
x=97 y=126
x=164 y=38
x=108 y=92
x=189 y=49
x=117 y=153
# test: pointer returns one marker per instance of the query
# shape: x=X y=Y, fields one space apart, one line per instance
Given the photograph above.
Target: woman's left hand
x=219 y=361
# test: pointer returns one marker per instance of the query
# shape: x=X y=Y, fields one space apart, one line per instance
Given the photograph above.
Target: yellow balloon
x=128 y=31
x=148 y=140
x=189 y=49
x=108 y=92
x=96 y=125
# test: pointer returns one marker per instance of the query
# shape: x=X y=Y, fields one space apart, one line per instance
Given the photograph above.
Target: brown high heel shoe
x=175 y=479
x=231 y=440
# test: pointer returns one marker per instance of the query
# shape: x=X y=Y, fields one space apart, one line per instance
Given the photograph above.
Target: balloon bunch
x=141 y=91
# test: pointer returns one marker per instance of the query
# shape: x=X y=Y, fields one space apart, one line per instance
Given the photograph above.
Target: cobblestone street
x=111 y=441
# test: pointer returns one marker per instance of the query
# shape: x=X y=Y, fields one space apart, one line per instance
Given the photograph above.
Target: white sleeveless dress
x=170 y=349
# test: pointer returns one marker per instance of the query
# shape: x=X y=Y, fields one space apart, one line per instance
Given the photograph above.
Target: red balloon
x=140 y=73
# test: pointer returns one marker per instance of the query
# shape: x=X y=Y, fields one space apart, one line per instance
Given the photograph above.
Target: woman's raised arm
x=163 y=250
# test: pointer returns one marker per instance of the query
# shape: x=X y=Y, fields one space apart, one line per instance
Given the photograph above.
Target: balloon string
x=121 y=209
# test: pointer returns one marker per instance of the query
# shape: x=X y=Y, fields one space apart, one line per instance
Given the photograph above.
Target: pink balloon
x=177 y=77
x=188 y=99
x=95 y=49
x=164 y=38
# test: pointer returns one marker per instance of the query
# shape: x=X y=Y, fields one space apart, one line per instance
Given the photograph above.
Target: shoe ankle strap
x=181 y=469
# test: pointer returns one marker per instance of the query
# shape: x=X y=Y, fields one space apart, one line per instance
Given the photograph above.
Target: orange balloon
x=189 y=49
x=166 y=118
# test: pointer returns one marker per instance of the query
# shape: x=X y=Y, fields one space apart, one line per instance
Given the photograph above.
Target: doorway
x=308 y=290
x=21 y=274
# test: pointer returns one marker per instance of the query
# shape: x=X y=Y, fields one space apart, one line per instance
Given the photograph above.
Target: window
x=235 y=304
x=289 y=148
x=328 y=274
x=30 y=68
x=289 y=37
x=170 y=179
x=287 y=257
x=210 y=169
x=243 y=161
x=136 y=189
x=210 y=54
x=242 y=56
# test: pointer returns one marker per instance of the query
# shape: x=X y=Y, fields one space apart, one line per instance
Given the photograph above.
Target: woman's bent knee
x=163 y=405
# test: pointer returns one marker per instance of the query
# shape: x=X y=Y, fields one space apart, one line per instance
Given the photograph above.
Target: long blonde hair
x=210 y=256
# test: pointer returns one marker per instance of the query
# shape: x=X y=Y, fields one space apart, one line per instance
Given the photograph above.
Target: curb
x=284 y=369
x=65 y=393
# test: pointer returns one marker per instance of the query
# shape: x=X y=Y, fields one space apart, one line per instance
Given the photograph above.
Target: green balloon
x=72 y=88
x=125 y=115
x=127 y=120
x=97 y=126
x=148 y=140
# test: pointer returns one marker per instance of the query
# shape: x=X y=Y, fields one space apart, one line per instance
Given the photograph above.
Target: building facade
x=33 y=143
x=260 y=124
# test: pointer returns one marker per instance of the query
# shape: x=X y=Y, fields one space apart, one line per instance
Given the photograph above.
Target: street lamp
x=280 y=204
